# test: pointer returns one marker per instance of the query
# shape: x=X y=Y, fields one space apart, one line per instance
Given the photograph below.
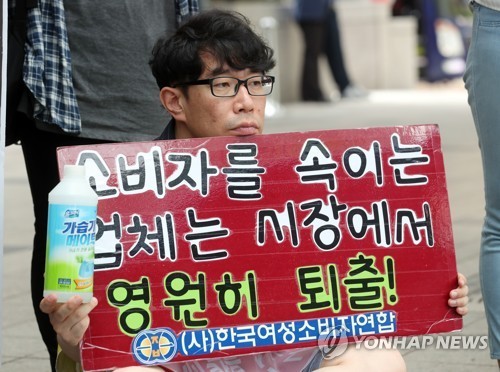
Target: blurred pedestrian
x=482 y=79
x=318 y=21
x=86 y=80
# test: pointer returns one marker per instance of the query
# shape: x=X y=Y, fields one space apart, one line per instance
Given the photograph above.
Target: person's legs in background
x=335 y=56
x=42 y=177
x=482 y=79
x=313 y=47
x=333 y=51
x=39 y=150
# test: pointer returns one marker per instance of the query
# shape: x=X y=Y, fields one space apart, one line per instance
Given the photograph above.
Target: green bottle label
x=69 y=265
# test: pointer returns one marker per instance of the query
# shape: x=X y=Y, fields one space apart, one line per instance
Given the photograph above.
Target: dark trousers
x=39 y=149
x=322 y=37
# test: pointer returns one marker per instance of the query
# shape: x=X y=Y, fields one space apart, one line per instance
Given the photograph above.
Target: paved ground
x=444 y=104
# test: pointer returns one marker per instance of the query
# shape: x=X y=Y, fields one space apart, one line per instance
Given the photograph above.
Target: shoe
x=354 y=91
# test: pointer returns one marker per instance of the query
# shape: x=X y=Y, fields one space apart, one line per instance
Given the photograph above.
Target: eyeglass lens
x=228 y=86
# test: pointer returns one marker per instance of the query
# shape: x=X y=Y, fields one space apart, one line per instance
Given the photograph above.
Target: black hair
x=226 y=35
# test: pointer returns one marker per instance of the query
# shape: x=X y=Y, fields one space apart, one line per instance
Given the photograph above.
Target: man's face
x=204 y=115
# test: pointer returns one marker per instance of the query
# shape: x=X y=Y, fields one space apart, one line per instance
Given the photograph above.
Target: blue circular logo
x=154 y=346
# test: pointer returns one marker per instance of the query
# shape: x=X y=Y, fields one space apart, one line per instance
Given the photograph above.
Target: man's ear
x=171 y=100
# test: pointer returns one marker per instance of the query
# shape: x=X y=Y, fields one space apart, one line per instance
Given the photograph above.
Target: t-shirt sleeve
x=65 y=363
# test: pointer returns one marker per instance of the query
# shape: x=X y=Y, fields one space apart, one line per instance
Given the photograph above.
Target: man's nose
x=244 y=98
x=242 y=84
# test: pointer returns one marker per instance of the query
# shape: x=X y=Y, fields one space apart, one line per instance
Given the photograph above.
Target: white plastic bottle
x=69 y=263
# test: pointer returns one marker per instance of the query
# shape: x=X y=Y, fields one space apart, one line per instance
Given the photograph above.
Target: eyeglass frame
x=236 y=89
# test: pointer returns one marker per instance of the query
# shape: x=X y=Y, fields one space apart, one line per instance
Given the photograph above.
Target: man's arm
x=70 y=321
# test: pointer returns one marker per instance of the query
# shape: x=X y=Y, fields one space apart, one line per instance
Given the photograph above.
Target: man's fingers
x=460 y=302
x=462 y=310
x=49 y=304
x=79 y=329
x=459 y=292
x=65 y=310
x=72 y=320
x=460 y=305
x=462 y=280
x=76 y=310
x=70 y=313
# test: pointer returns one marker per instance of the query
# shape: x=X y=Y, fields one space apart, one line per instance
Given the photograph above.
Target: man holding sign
x=212 y=76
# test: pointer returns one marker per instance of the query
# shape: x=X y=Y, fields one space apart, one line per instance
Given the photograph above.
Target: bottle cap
x=74 y=170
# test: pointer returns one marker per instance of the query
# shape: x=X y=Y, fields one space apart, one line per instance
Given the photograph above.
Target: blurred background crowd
x=387 y=44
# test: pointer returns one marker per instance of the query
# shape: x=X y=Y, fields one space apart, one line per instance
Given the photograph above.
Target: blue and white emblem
x=154 y=346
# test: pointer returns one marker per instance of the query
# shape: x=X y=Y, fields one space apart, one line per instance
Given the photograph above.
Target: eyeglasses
x=229 y=86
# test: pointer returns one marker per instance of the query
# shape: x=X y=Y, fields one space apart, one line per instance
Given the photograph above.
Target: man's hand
x=70 y=321
x=458 y=296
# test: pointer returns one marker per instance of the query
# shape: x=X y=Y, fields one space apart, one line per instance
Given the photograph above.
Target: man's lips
x=246 y=129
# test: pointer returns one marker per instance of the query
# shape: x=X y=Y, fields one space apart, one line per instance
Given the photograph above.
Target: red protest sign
x=225 y=246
